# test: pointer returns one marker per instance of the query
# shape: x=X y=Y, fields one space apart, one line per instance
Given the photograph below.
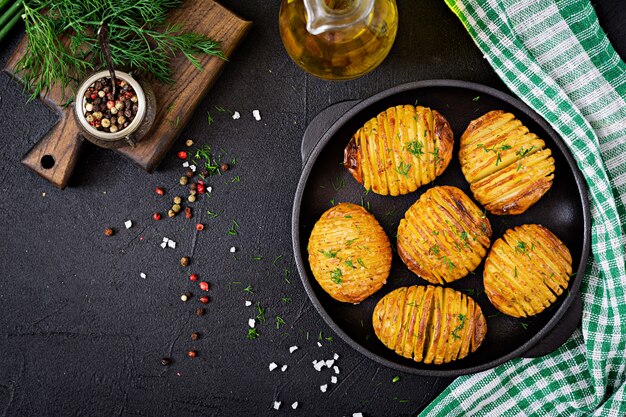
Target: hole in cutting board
x=47 y=161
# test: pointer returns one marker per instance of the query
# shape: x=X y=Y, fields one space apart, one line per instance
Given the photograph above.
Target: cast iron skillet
x=564 y=210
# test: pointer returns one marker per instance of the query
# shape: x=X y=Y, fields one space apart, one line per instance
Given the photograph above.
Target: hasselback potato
x=399 y=150
x=526 y=270
x=429 y=324
x=349 y=253
x=443 y=235
x=508 y=167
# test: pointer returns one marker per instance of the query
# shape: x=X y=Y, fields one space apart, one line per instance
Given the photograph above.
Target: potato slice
x=429 y=324
x=443 y=235
x=399 y=150
x=508 y=167
x=526 y=270
x=349 y=253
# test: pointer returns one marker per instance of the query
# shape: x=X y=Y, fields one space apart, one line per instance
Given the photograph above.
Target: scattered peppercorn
x=199 y=226
x=189 y=173
x=156 y=216
x=108 y=231
x=193 y=192
x=204 y=286
x=184 y=297
x=176 y=208
x=166 y=361
x=199 y=312
x=182 y=155
x=204 y=299
x=160 y=190
x=192 y=354
x=101 y=106
x=191 y=198
x=184 y=261
x=193 y=277
x=188 y=213
x=200 y=188
x=177 y=199
x=171 y=213
x=183 y=180
x=189 y=142
x=195 y=336
x=192 y=186
x=224 y=167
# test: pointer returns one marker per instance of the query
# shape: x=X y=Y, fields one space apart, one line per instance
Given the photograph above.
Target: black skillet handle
x=561 y=332
x=320 y=124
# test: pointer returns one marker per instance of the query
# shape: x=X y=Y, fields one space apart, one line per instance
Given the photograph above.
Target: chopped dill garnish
x=339 y=184
x=476 y=98
x=260 y=313
x=360 y=261
x=236 y=179
x=349 y=263
x=329 y=253
x=286 y=300
x=276 y=259
x=403 y=169
x=520 y=247
x=252 y=334
x=257 y=258
x=335 y=276
x=249 y=289
x=209 y=118
x=212 y=214
x=459 y=327
x=524 y=325
x=435 y=249
x=523 y=152
x=234 y=229
x=415 y=147
x=279 y=321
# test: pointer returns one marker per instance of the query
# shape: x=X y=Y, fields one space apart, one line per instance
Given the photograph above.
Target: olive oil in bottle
x=338 y=39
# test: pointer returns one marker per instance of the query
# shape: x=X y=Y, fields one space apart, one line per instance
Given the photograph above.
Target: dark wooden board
x=55 y=155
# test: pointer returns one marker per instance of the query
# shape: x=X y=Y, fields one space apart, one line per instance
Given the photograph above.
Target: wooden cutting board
x=54 y=156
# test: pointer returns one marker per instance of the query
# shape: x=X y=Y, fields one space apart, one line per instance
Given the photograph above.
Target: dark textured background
x=82 y=334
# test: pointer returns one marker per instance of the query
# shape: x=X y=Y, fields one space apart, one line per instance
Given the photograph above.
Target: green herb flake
x=209 y=118
x=435 y=249
x=335 y=276
x=212 y=214
x=257 y=258
x=520 y=247
x=236 y=179
x=338 y=183
x=403 y=169
x=286 y=300
x=349 y=263
x=395 y=379
x=524 y=152
x=249 y=289
x=277 y=259
x=252 y=334
x=415 y=147
x=462 y=319
x=234 y=229
x=524 y=325
x=360 y=261
x=329 y=253
x=279 y=322
x=476 y=98
x=260 y=313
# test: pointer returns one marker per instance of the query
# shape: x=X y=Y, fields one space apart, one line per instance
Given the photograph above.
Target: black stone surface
x=81 y=333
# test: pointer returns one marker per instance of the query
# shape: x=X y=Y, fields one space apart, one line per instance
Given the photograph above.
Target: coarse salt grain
x=209 y=189
x=294 y=405
x=273 y=366
x=142 y=275
x=357 y=414
x=128 y=224
x=324 y=387
x=165 y=239
x=192 y=168
x=256 y=114
x=232 y=250
x=293 y=349
x=319 y=344
x=336 y=369
x=236 y=115
x=248 y=303
x=329 y=363
x=171 y=244
x=276 y=405
x=318 y=366
x=251 y=323
x=185 y=164
x=333 y=379
x=284 y=368
x=164 y=245
x=335 y=356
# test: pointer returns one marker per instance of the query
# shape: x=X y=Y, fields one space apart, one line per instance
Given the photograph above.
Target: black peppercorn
x=189 y=173
x=195 y=336
x=199 y=312
x=166 y=361
x=224 y=167
x=184 y=261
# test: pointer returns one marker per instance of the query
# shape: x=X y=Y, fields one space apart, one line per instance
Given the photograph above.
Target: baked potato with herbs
x=349 y=253
x=526 y=270
x=429 y=324
x=443 y=235
x=508 y=167
x=399 y=150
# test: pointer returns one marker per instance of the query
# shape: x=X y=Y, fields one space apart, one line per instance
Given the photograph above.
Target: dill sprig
x=63 y=45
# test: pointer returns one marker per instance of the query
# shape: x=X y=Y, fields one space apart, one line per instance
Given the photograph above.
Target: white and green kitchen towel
x=554 y=56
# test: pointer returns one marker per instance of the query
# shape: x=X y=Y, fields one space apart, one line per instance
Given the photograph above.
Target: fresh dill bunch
x=63 y=45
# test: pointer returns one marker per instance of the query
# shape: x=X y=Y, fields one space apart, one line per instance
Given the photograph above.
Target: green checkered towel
x=556 y=58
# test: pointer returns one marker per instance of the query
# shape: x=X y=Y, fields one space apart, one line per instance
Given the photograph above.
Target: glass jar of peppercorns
x=114 y=117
